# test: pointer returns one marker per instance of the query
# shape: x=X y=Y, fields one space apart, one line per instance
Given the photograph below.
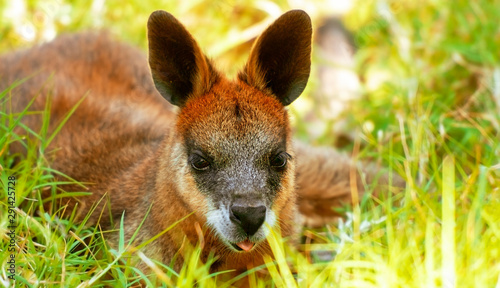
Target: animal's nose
x=249 y=218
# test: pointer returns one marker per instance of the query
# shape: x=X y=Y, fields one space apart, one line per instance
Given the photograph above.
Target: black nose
x=249 y=218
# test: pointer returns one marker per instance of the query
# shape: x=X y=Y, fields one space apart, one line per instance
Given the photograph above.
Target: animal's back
x=117 y=125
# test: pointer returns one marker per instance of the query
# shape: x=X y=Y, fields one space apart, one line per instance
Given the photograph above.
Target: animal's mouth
x=245 y=245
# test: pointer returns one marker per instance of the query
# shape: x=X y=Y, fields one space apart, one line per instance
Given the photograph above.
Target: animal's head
x=235 y=153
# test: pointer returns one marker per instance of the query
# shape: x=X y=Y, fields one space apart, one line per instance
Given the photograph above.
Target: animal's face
x=233 y=155
x=236 y=148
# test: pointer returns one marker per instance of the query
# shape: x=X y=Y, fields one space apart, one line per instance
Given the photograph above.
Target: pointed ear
x=179 y=68
x=280 y=60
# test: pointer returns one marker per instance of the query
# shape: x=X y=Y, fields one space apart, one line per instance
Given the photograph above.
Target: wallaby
x=226 y=155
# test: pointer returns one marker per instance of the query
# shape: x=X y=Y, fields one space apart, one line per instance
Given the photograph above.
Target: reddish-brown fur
x=131 y=161
x=125 y=141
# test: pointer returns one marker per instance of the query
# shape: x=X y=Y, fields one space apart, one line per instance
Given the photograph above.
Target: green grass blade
x=448 y=246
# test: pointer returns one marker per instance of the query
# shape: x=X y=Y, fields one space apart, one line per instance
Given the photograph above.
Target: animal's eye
x=279 y=161
x=199 y=163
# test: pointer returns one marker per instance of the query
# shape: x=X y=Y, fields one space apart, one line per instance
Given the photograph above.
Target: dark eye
x=199 y=163
x=279 y=161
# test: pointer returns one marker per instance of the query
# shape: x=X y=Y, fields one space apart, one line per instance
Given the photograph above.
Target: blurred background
x=381 y=68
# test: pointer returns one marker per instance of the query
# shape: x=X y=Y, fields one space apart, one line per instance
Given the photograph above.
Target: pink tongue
x=245 y=245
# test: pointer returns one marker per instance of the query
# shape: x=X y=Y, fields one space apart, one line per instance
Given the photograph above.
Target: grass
x=430 y=111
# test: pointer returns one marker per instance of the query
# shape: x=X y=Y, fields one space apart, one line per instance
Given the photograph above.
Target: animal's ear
x=280 y=60
x=179 y=68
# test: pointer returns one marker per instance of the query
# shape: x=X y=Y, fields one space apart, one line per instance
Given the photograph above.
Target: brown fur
x=125 y=141
x=324 y=182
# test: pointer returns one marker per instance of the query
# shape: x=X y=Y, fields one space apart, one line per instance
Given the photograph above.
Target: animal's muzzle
x=248 y=218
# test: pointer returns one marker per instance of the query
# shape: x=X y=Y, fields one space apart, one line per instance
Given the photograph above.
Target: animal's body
x=227 y=155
